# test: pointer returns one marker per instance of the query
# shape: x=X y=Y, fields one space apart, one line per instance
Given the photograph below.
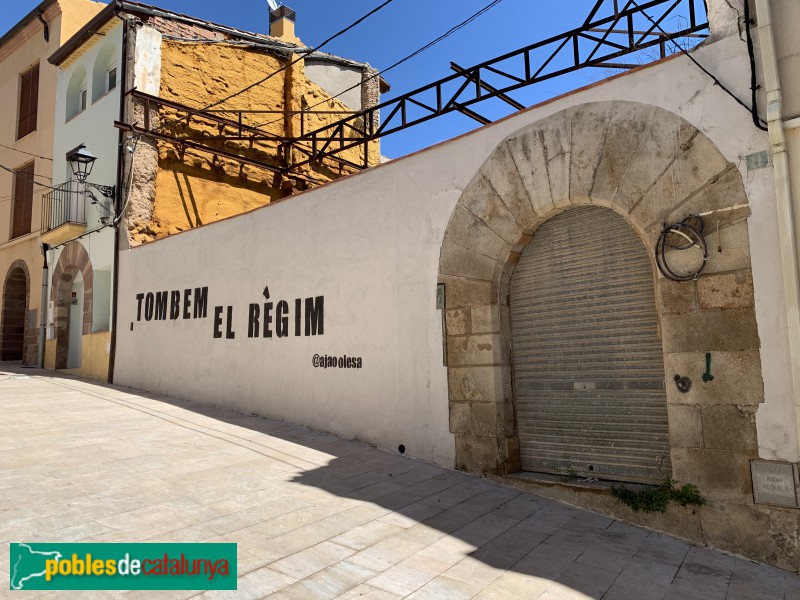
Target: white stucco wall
x=335 y=79
x=370 y=244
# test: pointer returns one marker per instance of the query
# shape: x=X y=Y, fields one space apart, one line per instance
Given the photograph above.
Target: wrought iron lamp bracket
x=109 y=191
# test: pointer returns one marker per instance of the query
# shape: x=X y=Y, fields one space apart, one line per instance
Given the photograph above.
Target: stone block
x=658 y=200
x=501 y=172
x=765 y=534
x=486 y=319
x=481 y=199
x=728 y=290
x=730 y=428
x=460 y=262
x=528 y=155
x=460 y=418
x=654 y=154
x=735 y=243
x=477 y=350
x=710 y=330
x=505 y=276
x=471 y=233
x=556 y=144
x=521 y=243
x=676 y=296
x=737 y=378
x=719 y=474
x=478 y=454
x=461 y=291
x=479 y=384
x=697 y=163
x=457 y=321
x=588 y=133
x=685 y=426
x=510 y=417
x=488 y=419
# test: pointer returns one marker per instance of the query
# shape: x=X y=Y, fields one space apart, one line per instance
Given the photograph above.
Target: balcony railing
x=66 y=203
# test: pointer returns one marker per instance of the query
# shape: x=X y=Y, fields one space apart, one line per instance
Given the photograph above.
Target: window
x=28 y=102
x=23 y=201
x=77 y=99
x=112 y=79
x=104 y=72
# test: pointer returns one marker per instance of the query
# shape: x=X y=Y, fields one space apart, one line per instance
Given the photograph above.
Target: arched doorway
x=15 y=308
x=587 y=357
x=649 y=166
x=71 y=294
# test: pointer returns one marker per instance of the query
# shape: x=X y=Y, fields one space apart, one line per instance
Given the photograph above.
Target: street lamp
x=81 y=161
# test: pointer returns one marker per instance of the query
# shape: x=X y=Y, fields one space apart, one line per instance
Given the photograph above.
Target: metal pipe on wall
x=783 y=191
x=127 y=39
x=43 y=309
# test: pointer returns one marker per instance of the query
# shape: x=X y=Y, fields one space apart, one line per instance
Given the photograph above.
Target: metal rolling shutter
x=588 y=365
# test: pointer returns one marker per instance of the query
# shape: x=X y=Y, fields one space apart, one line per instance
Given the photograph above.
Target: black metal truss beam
x=163 y=137
x=489 y=88
x=597 y=43
x=230 y=130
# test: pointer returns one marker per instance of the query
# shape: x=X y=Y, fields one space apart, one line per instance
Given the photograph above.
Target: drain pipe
x=43 y=309
x=783 y=191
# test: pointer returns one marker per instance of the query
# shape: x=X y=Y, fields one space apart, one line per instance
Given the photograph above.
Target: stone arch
x=16 y=299
x=650 y=166
x=74 y=258
x=77 y=85
x=105 y=61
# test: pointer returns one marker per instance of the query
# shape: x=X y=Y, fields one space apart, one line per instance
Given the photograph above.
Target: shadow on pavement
x=431 y=518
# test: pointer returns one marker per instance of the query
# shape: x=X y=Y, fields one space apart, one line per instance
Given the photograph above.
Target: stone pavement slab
x=314 y=516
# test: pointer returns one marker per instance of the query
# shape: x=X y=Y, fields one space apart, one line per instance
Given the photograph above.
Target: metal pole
x=43 y=308
x=783 y=193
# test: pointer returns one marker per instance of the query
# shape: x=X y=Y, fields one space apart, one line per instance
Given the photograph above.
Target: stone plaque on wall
x=773 y=483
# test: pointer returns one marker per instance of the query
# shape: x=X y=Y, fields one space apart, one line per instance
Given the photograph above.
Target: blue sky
x=399 y=29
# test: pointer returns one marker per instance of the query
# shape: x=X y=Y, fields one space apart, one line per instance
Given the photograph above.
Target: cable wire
x=24 y=152
x=31 y=176
x=129 y=184
x=757 y=121
x=416 y=52
x=699 y=66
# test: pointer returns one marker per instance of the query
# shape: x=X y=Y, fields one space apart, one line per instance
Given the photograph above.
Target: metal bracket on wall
x=684 y=384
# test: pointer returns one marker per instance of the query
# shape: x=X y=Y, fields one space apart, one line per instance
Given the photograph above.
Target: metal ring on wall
x=680 y=237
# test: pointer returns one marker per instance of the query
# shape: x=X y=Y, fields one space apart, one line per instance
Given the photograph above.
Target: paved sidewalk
x=316 y=517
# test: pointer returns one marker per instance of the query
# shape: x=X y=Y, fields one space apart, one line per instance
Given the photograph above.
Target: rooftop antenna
x=273 y=5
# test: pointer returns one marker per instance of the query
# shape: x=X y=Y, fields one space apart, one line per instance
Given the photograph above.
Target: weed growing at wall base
x=656 y=499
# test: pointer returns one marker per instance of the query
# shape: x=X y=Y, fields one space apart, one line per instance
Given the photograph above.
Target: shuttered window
x=587 y=356
x=28 y=102
x=23 y=201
